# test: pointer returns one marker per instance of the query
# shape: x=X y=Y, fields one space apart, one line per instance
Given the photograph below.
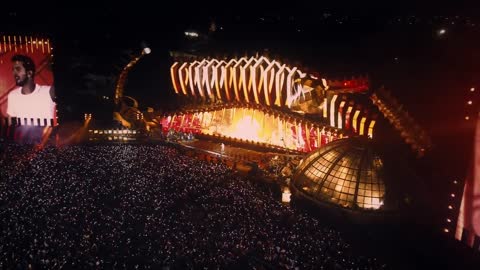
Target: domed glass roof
x=345 y=172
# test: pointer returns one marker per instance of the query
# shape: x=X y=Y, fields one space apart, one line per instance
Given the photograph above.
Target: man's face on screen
x=19 y=73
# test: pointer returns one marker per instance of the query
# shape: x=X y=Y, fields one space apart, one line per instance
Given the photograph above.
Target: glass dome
x=346 y=173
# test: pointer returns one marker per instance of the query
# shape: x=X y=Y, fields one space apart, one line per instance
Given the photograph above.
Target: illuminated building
x=349 y=177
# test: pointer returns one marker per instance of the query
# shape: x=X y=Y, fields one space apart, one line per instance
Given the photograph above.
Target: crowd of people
x=151 y=207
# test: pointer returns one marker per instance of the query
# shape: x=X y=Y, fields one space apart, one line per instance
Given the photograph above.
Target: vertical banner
x=468 y=223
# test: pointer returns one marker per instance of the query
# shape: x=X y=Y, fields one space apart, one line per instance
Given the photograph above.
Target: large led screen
x=26 y=81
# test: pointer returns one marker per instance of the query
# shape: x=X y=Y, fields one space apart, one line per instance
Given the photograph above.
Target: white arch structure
x=252 y=80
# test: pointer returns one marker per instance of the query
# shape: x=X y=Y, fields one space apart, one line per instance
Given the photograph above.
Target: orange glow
x=252 y=125
x=246 y=128
x=286 y=195
x=268 y=81
x=370 y=129
x=190 y=73
x=332 y=110
x=279 y=83
x=217 y=78
x=340 y=110
x=229 y=79
x=376 y=203
x=291 y=96
x=362 y=125
x=325 y=108
x=354 y=122
x=172 y=75
x=198 y=78
x=339 y=185
x=183 y=76
x=209 y=77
